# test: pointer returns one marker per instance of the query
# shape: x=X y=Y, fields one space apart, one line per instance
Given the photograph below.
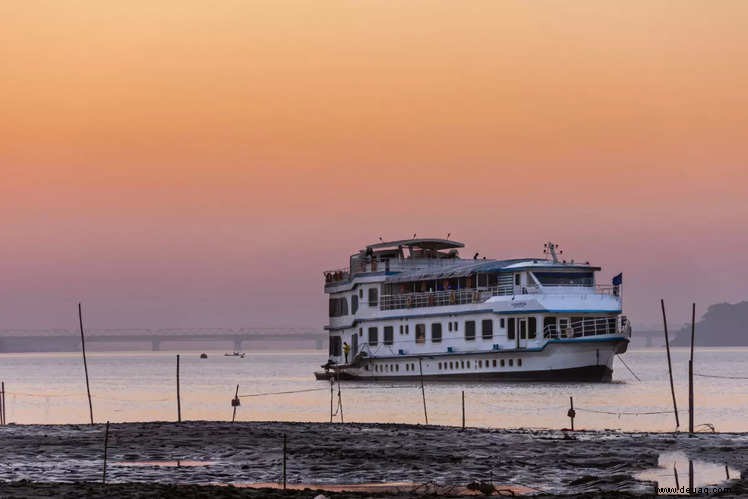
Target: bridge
x=56 y=339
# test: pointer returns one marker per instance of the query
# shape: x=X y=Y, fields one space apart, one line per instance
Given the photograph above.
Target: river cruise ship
x=411 y=308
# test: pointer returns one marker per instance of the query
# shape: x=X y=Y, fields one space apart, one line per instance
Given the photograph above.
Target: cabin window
x=509 y=331
x=502 y=360
x=469 y=330
x=532 y=327
x=468 y=364
x=360 y=331
x=373 y=336
x=360 y=292
x=455 y=328
x=338 y=307
x=516 y=279
x=436 y=332
x=502 y=324
x=462 y=364
x=487 y=328
x=519 y=362
x=449 y=326
x=480 y=363
x=335 y=346
x=373 y=297
x=420 y=333
x=388 y=334
x=511 y=362
x=354 y=304
x=494 y=362
x=565 y=278
x=407 y=329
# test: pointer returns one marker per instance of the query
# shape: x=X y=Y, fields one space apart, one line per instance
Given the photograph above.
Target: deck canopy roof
x=463 y=268
x=424 y=243
x=460 y=268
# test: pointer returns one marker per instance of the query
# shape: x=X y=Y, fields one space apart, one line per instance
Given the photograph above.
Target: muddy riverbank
x=203 y=453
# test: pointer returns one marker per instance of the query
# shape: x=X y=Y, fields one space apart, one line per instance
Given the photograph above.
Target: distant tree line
x=723 y=324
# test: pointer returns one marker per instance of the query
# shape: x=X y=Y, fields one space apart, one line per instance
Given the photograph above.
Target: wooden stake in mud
x=179 y=402
x=572 y=413
x=690 y=477
x=463 y=409
x=2 y=403
x=423 y=391
x=235 y=403
x=332 y=397
x=285 y=459
x=690 y=371
x=106 y=447
x=669 y=364
x=340 y=398
x=675 y=474
x=85 y=364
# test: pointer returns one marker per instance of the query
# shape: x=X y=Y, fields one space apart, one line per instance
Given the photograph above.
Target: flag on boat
x=618 y=280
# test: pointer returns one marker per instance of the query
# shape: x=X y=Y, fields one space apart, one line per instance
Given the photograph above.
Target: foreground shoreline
x=157 y=455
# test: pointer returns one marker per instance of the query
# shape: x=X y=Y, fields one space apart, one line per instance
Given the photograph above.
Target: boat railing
x=592 y=326
x=336 y=275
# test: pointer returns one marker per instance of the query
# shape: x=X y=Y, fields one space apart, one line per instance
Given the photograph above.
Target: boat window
x=480 y=363
x=519 y=362
x=455 y=328
x=436 y=332
x=502 y=360
x=360 y=292
x=549 y=326
x=450 y=365
x=338 y=307
x=354 y=304
x=420 y=333
x=516 y=279
x=462 y=364
x=494 y=362
x=502 y=325
x=511 y=362
x=532 y=326
x=407 y=329
x=487 y=328
x=468 y=362
x=449 y=326
x=388 y=333
x=373 y=297
x=397 y=367
x=440 y=365
x=509 y=331
x=469 y=330
x=565 y=278
x=401 y=329
x=360 y=331
x=373 y=336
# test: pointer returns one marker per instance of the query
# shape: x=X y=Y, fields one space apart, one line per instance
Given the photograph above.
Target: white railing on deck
x=592 y=326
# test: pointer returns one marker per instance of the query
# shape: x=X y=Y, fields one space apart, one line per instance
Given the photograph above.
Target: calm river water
x=141 y=386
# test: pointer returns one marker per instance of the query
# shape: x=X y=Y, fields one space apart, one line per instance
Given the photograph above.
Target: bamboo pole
x=675 y=474
x=690 y=371
x=2 y=403
x=285 y=460
x=106 y=447
x=235 y=403
x=340 y=399
x=572 y=413
x=423 y=391
x=670 y=365
x=463 y=409
x=179 y=401
x=85 y=364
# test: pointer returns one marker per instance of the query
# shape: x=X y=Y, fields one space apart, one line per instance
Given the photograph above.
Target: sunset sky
x=189 y=163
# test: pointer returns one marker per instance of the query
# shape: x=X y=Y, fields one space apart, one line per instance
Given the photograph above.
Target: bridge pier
x=237 y=344
x=155 y=345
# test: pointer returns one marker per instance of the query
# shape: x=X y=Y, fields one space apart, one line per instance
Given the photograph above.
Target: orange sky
x=179 y=163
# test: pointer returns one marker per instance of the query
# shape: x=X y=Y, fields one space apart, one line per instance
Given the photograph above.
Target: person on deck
x=346 y=350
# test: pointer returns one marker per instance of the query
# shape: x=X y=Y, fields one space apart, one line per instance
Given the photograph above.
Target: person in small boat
x=346 y=350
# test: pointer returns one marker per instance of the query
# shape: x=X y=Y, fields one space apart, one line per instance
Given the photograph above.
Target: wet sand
x=34 y=459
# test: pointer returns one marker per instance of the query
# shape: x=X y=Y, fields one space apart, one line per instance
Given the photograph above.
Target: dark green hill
x=723 y=324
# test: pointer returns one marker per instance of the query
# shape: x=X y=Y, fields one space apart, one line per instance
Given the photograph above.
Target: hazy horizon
x=178 y=164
